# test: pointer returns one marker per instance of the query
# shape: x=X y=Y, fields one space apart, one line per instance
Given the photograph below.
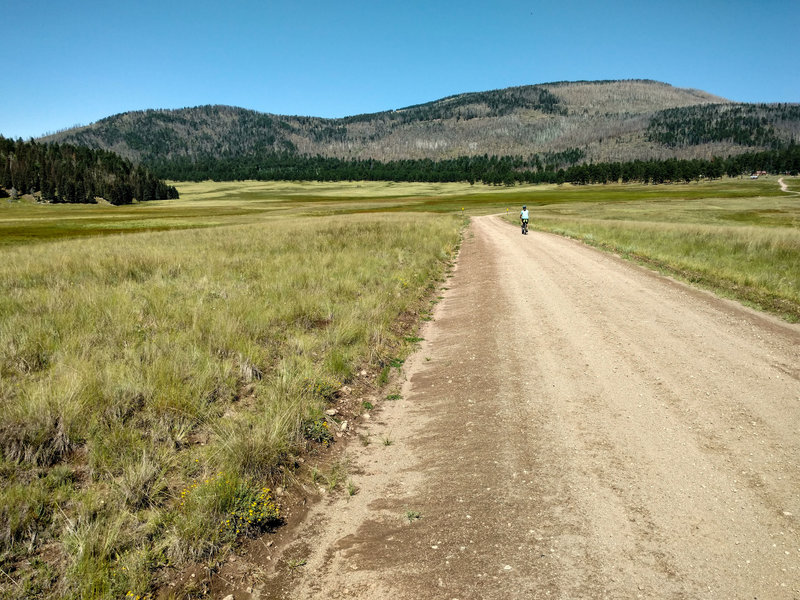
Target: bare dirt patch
x=574 y=426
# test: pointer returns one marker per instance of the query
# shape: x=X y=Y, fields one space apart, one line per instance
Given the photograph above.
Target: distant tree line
x=493 y=170
x=292 y=167
x=75 y=174
x=682 y=170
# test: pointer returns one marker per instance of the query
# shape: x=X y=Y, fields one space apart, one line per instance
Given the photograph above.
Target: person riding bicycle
x=523 y=216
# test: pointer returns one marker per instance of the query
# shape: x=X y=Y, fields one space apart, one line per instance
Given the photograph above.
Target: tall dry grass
x=151 y=385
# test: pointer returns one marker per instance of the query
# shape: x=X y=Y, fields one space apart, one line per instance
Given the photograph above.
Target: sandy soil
x=573 y=426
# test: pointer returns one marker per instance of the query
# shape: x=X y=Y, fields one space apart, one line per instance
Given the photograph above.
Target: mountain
x=563 y=123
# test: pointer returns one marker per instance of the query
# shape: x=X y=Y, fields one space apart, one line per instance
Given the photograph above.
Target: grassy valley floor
x=163 y=364
x=154 y=387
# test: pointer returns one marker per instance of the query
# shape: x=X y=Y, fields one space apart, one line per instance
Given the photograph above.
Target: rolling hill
x=563 y=123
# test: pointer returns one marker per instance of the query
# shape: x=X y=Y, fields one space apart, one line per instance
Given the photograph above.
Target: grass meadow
x=154 y=386
x=162 y=365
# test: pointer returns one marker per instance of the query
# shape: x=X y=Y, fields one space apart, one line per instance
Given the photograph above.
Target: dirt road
x=784 y=187
x=573 y=427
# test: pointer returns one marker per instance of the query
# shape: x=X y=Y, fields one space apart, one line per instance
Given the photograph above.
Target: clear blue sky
x=74 y=62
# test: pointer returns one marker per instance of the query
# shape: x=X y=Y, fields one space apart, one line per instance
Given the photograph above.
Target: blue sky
x=68 y=63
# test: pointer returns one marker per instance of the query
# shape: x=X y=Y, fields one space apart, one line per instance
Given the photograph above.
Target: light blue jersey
x=523 y=214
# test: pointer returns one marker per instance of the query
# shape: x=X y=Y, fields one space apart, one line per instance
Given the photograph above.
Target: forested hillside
x=749 y=125
x=74 y=174
x=506 y=170
x=543 y=127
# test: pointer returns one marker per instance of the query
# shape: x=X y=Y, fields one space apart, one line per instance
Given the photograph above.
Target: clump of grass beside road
x=153 y=386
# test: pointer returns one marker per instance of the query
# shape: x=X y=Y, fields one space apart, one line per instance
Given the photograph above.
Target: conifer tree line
x=469 y=106
x=73 y=174
x=750 y=125
x=506 y=170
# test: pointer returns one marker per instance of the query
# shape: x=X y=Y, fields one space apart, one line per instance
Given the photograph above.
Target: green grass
x=213 y=204
x=137 y=370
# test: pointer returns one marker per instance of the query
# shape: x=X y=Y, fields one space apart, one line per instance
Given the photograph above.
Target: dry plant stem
x=11 y=579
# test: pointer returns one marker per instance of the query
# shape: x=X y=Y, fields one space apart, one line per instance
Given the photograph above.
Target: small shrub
x=324 y=389
x=413 y=515
x=253 y=513
x=318 y=430
x=217 y=510
x=296 y=563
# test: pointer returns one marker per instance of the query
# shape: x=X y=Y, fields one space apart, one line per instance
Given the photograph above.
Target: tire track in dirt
x=574 y=426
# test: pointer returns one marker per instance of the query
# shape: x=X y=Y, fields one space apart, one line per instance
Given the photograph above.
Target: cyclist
x=523 y=218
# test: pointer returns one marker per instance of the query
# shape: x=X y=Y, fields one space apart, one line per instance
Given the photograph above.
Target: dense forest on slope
x=751 y=125
x=74 y=174
x=473 y=106
x=506 y=170
x=154 y=135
